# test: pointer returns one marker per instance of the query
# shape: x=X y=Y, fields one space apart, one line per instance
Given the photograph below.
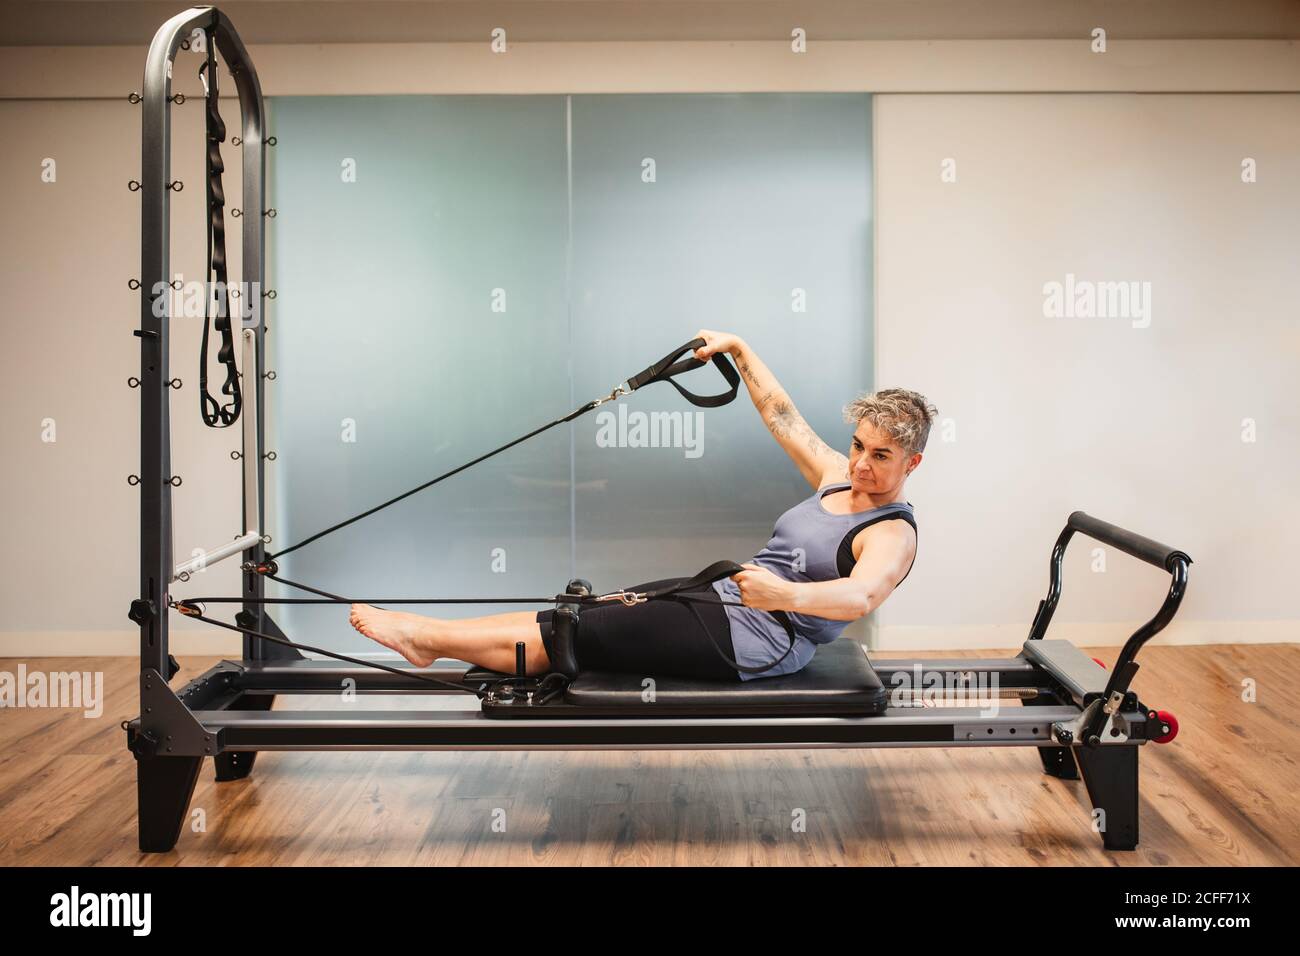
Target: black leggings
x=660 y=638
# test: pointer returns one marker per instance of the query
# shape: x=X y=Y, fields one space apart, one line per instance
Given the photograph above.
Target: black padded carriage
x=839 y=680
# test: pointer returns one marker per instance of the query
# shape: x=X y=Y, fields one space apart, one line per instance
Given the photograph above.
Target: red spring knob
x=1171 y=722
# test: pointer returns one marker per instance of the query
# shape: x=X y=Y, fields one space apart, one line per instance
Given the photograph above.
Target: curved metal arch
x=157 y=562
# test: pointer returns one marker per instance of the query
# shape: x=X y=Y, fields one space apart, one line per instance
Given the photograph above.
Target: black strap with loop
x=667 y=368
x=216 y=296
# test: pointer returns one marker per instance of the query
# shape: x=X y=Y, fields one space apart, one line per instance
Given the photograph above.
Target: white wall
x=1140 y=426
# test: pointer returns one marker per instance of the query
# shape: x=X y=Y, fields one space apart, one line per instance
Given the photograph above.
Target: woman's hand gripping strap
x=668 y=367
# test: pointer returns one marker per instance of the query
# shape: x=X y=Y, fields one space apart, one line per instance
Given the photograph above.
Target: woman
x=832 y=558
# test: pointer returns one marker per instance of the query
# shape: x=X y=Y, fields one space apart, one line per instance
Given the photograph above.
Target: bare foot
x=395 y=629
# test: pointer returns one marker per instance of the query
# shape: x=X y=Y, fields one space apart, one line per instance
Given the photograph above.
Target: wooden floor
x=1224 y=793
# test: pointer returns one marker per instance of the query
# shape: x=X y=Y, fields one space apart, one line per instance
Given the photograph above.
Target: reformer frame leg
x=1057 y=761
x=164 y=786
x=1111 y=775
x=238 y=764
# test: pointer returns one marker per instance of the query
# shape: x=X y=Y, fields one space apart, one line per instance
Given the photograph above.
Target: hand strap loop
x=667 y=368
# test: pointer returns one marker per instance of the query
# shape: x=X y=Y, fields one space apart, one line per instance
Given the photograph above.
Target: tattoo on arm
x=839 y=459
x=784 y=419
x=746 y=371
x=815 y=443
x=820 y=450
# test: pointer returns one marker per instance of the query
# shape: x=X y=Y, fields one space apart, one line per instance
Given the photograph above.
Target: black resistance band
x=216 y=296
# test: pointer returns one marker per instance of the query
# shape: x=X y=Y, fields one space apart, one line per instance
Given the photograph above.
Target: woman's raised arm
x=814 y=458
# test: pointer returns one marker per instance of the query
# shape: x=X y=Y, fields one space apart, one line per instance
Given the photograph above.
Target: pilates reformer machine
x=1082 y=718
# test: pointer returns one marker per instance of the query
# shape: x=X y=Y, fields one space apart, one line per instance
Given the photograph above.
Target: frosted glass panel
x=455 y=271
x=760 y=205
x=385 y=319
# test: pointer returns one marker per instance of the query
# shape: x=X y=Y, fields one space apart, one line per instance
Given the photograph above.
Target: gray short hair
x=903 y=415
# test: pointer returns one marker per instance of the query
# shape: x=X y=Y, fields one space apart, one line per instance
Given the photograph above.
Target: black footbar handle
x=667 y=367
x=1143 y=548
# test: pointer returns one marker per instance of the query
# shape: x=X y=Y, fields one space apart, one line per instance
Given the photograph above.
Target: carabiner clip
x=189 y=608
x=619 y=391
x=629 y=598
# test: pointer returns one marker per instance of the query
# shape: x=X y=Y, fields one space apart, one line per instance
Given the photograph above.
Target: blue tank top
x=808 y=543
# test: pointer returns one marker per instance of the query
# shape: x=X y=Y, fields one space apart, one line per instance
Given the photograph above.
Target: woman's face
x=877 y=464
